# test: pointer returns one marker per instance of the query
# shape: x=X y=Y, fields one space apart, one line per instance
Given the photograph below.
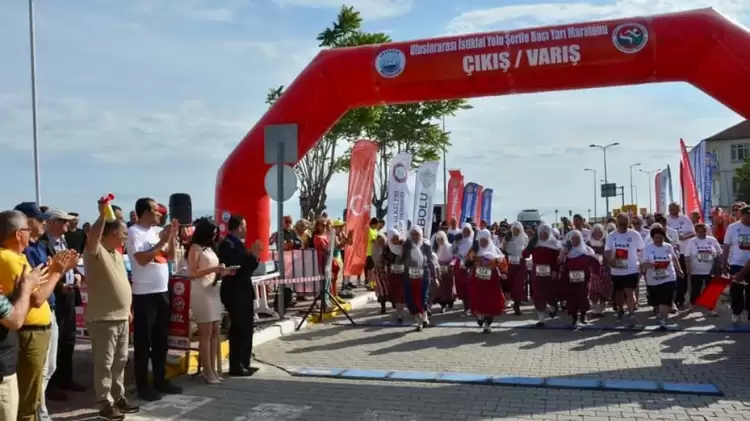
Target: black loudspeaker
x=181 y=208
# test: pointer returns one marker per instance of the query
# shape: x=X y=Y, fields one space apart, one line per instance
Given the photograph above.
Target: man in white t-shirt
x=685 y=231
x=621 y=251
x=735 y=257
x=149 y=248
x=701 y=254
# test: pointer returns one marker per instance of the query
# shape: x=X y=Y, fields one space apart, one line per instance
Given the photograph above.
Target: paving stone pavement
x=273 y=395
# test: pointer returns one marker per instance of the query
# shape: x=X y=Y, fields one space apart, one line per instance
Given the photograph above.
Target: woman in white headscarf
x=544 y=249
x=421 y=268
x=461 y=249
x=600 y=287
x=580 y=263
x=513 y=249
x=443 y=251
x=396 y=272
x=485 y=284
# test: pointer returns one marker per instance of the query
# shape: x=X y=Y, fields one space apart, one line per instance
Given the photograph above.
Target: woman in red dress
x=544 y=251
x=580 y=264
x=600 y=286
x=485 y=285
x=445 y=295
x=513 y=249
x=461 y=274
x=395 y=272
x=381 y=270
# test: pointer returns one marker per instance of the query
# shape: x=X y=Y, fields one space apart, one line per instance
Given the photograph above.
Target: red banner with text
x=691 y=201
x=455 y=196
x=361 y=178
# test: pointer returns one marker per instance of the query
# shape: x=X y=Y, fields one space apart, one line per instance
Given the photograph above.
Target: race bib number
x=514 y=260
x=416 y=272
x=484 y=273
x=445 y=268
x=661 y=274
x=543 y=270
x=743 y=242
x=705 y=256
x=621 y=259
x=577 y=276
x=397 y=268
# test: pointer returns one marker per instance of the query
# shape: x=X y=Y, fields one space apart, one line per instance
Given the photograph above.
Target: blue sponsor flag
x=487 y=205
x=470 y=201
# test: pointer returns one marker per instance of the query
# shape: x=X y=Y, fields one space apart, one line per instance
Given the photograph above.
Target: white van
x=529 y=217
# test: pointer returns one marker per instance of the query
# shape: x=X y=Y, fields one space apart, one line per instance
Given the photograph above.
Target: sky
x=147 y=98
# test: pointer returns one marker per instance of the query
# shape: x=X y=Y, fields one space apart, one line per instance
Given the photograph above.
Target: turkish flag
x=710 y=296
x=361 y=179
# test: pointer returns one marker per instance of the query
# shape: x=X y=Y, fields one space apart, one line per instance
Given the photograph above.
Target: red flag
x=361 y=178
x=478 y=209
x=691 y=201
x=455 y=196
x=710 y=295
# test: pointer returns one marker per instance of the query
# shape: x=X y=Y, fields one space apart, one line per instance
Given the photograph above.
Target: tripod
x=322 y=298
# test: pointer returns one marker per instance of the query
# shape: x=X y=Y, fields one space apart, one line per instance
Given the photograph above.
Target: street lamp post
x=631 y=181
x=650 y=189
x=34 y=131
x=595 y=197
x=604 y=152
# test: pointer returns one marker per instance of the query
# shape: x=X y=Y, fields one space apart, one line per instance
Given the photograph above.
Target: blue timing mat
x=642 y=386
x=557 y=326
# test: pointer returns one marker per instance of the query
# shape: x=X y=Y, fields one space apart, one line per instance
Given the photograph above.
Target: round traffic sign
x=285 y=191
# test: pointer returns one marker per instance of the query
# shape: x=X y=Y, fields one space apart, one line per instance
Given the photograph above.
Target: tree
x=316 y=168
x=742 y=181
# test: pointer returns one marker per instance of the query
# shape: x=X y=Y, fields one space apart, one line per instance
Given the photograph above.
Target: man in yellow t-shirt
x=34 y=335
x=372 y=235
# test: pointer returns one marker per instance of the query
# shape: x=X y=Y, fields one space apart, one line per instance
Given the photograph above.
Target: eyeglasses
x=25 y=229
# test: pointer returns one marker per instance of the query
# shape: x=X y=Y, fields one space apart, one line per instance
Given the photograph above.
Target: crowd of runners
x=580 y=269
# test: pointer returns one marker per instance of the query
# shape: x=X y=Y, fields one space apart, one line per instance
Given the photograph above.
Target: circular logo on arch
x=400 y=173
x=630 y=38
x=390 y=63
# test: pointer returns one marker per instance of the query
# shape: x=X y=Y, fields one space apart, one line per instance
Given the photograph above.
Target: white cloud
x=540 y=13
x=370 y=9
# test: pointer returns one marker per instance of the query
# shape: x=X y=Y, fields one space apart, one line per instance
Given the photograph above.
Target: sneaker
x=109 y=412
x=168 y=388
x=125 y=407
x=736 y=318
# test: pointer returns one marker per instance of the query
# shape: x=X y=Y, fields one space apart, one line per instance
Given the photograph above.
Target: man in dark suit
x=75 y=237
x=237 y=295
x=67 y=296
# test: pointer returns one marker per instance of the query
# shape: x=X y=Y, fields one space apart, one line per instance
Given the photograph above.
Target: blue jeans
x=49 y=369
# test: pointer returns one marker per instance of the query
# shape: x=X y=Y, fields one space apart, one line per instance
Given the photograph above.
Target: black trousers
x=697 y=284
x=241 y=328
x=682 y=284
x=739 y=294
x=65 y=315
x=151 y=316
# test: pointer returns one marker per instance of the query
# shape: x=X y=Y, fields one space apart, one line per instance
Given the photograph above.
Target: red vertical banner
x=478 y=208
x=691 y=201
x=455 y=196
x=361 y=179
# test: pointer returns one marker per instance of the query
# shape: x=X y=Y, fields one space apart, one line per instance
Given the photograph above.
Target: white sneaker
x=736 y=318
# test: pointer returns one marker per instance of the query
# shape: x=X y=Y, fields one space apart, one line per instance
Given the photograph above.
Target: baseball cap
x=31 y=210
x=59 y=214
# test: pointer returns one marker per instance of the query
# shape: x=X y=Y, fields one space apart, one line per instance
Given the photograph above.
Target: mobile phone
x=235 y=267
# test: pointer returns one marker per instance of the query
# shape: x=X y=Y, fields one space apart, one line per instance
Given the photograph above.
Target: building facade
x=730 y=149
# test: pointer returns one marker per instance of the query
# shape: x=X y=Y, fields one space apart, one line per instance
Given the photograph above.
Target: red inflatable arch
x=700 y=47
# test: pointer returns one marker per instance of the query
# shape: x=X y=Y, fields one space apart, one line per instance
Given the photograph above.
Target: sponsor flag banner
x=668 y=183
x=361 y=178
x=455 y=196
x=659 y=193
x=487 y=205
x=478 y=204
x=470 y=202
x=424 y=196
x=708 y=185
x=691 y=201
x=398 y=192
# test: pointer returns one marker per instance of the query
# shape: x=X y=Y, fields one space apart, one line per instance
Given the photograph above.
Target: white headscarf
x=556 y=233
x=464 y=246
x=611 y=227
x=600 y=242
x=551 y=242
x=443 y=253
x=396 y=249
x=517 y=243
x=581 y=249
x=416 y=248
x=490 y=251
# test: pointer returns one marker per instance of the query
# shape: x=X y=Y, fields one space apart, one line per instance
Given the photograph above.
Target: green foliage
x=742 y=181
x=414 y=128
